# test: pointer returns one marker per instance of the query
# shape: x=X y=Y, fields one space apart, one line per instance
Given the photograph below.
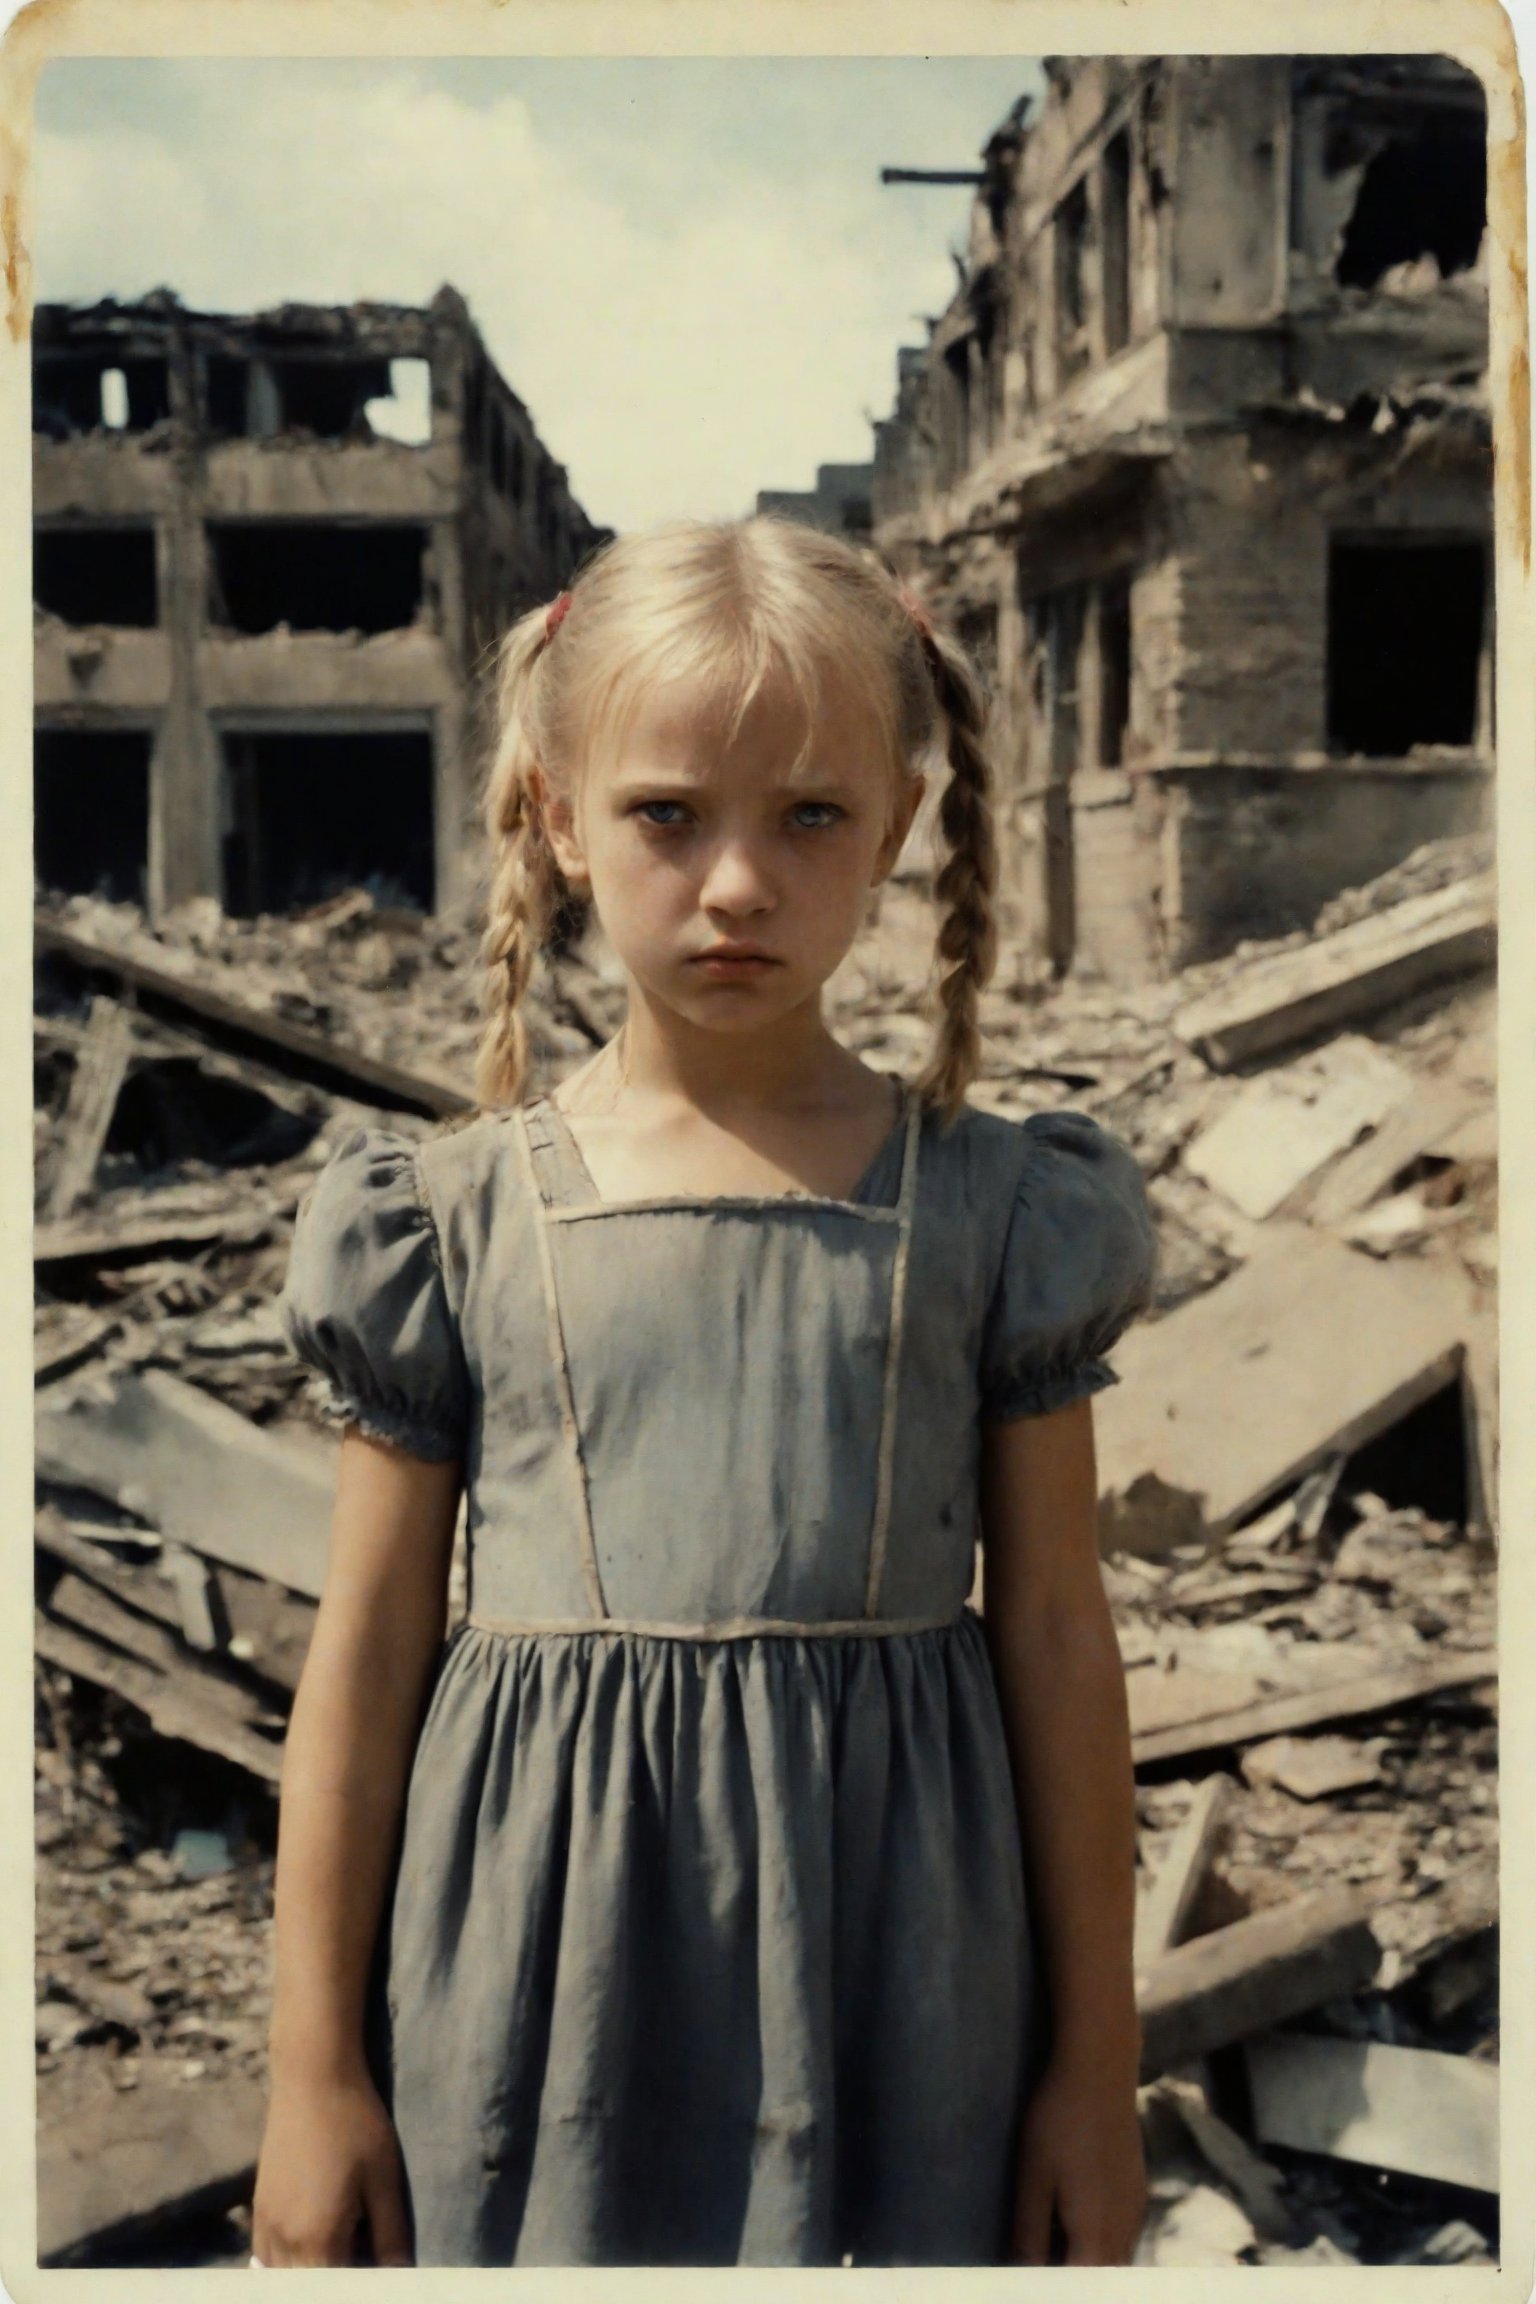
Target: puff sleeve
x=1078 y=1266
x=365 y=1304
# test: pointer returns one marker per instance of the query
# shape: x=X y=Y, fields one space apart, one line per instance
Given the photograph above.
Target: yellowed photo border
x=1479 y=34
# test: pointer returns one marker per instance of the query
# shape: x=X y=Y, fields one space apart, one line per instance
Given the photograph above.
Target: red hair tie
x=916 y=611
x=555 y=616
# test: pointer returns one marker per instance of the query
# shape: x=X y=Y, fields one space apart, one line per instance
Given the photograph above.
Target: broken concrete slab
x=1312 y=1767
x=1434 y=1110
x=1254 y=1974
x=204 y=1476
x=1306 y=1353
x=1340 y=978
x=1280 y=1131
x=1412 y=2110
x=122 y=2164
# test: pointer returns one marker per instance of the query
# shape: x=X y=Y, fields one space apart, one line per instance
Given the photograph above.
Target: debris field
x=1298 y=1477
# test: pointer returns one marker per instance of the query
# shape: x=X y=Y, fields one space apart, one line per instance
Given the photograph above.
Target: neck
x=794 y=1060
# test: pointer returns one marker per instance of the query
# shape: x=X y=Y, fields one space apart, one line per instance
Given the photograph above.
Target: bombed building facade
x=1198 y=461
x=270 y=555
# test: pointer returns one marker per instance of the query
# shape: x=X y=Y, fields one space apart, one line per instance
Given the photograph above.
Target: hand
x=330 y=2161
x=1081 y=2165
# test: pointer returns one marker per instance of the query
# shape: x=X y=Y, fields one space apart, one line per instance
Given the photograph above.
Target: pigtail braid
x=967 y=933
x=526 y=887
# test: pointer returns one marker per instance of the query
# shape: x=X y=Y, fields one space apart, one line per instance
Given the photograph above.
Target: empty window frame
x=1071 y=274
x=75 y=392
x=1421 y=195
x=1406 y=619
x=1115 y=184
x=96 y=574
x=91 y=812
x=1113 y=633
x=310 y=814
x=316 y=576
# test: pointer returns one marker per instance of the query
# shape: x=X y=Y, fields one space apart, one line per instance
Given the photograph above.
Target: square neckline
x=793 y=1199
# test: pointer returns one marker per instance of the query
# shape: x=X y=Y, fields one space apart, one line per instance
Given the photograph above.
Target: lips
x=734 y=960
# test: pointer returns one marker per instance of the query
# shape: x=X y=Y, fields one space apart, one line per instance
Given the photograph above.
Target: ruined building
x=840 y=502
x=1198 y=460
x=270 y=555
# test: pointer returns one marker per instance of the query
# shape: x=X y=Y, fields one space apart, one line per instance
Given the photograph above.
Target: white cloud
x=687 y=320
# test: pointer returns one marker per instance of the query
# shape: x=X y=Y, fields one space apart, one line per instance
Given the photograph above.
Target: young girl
x=724 y=1890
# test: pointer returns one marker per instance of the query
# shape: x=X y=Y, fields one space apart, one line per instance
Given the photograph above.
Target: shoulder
x=465 y=1159
x=1048 y=1155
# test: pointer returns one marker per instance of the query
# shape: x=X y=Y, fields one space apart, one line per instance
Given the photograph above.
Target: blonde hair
x=730 y=604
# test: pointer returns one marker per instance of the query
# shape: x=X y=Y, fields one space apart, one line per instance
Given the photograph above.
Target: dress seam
x=891 y=1381
x=560 y=1359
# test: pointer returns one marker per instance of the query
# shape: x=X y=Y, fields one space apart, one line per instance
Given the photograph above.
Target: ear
x=557 y=814
x=908 y=801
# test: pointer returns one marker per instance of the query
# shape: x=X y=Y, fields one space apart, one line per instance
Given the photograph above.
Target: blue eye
x=663 y=813
x=813 y=815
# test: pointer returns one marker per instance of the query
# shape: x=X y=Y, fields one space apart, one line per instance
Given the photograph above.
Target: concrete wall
x=1248 y=853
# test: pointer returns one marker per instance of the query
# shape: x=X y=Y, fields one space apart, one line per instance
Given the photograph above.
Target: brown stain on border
x=16 y=301
x=1506 y=224
x=24 y=50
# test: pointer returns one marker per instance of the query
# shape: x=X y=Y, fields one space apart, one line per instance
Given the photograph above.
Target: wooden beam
x=203 y=1475
x=171 y=1708
x=1379 y=1691
x=1259 y=1972
x=101 y=1066
x=1163 y=1910
x=256 y=1032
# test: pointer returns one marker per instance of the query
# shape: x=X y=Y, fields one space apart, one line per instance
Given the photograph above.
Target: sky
x=686 y=267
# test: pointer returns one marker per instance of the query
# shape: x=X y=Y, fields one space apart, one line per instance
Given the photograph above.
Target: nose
x=736 y=881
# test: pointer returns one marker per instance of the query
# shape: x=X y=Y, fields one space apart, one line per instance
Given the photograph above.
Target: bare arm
x=1061 y=1686
x=353 y=1731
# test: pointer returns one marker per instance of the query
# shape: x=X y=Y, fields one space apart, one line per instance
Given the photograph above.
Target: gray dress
x=707 y=1941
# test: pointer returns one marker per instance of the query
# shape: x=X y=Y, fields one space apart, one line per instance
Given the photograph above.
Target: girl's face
x=729 y=880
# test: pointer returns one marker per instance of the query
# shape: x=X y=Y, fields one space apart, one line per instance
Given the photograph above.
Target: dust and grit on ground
x=1297 y=1518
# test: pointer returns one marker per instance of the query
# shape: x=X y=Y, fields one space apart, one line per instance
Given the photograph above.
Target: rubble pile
x=1297 y=1484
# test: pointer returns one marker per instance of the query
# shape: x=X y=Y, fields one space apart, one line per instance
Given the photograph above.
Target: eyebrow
x=669 y=783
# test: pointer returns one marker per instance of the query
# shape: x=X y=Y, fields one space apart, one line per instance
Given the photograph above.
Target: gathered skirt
x=709 y=1952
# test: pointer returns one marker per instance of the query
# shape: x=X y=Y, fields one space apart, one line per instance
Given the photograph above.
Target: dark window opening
x=96 y=575
x=70 y=394
x=226 y=385
x=313 y=815
x=955 y=437
x=329 y=397
x=1071 y=283
x=1114 y=669
x=1117 y=243
x=1405 y=632
x=91 y=812
x=1420 y=196
x=315 y=576
x=474 y=411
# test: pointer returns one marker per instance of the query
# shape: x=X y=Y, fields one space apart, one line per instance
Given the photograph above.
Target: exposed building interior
x=271 y=554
